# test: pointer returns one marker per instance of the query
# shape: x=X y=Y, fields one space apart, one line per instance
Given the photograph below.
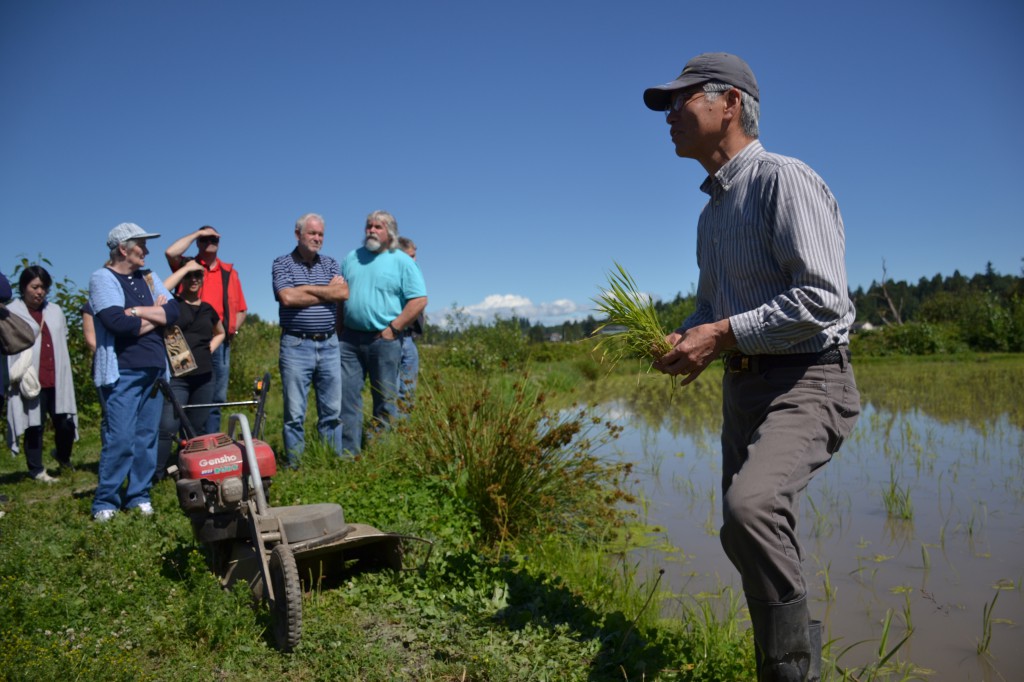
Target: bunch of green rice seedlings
x=625 y=306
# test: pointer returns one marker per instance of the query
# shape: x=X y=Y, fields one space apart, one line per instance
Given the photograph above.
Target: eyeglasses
x=681 y=99
x=210 y=240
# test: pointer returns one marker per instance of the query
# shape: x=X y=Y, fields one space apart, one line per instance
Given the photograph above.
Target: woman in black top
x=204 y=332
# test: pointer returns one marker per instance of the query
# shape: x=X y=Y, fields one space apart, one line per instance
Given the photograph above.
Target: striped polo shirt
x=291 y=271
x=771 y=248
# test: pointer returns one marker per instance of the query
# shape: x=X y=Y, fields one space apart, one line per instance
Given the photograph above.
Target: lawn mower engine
x=214 y=485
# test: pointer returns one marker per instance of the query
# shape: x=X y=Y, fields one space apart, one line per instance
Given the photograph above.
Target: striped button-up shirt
x=291 y=271
x=771 y=251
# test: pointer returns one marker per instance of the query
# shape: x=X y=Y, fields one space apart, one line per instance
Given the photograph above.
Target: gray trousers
x=780 y=426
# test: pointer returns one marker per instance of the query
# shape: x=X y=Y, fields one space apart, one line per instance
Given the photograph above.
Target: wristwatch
x=393 y=330
x=133 y=312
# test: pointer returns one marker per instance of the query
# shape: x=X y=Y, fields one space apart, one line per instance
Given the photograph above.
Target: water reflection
x=921 y=513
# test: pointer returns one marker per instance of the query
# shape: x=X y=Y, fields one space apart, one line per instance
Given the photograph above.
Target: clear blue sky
x=510 y=140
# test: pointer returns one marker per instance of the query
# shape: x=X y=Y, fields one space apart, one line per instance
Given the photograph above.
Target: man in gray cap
x=772 y=301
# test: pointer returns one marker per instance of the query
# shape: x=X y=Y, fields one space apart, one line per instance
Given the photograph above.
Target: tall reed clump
x=631 y=328
x=518 y=466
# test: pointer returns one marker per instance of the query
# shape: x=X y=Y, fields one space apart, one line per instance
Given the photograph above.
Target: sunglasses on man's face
x=210 y=240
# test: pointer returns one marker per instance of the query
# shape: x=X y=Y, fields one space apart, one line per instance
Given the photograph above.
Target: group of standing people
x=343 y=323
x=128 y=314
x=138 y=324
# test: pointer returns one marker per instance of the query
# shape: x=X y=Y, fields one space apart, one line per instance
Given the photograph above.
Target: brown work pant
x=780 y=426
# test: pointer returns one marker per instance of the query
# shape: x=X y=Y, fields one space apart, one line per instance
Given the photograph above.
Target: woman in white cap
x=130 y=308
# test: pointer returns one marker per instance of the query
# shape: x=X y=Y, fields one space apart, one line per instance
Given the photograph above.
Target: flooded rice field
x=917 y=522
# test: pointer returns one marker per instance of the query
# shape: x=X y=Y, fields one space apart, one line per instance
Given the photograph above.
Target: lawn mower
x=221 y=484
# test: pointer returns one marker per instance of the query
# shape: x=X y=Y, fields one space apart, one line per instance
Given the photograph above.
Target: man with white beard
x=386 y=295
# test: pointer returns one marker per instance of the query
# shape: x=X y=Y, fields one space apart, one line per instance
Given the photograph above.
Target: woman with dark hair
x=41 y=380
x=202 y=329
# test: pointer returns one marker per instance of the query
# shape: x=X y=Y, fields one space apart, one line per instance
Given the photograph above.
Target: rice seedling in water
x=897 y=498
x=710 y=527
x=880 y=668
x=641 y=335
x=822 y=525
x=907 y=619
x=830 y=589
x=986 y=625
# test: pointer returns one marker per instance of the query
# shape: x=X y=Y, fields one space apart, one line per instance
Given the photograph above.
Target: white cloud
x=504 y=306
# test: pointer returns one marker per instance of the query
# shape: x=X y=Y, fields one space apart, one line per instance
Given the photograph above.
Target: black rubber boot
x=782 y=643
x=814 y=635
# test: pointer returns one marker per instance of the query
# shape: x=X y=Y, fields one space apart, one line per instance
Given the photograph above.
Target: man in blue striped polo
x=308 y=288
x=772 y=299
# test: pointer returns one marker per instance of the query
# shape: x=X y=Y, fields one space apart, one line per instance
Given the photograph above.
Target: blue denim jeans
x=304 y=362
x=221 y=371
x=191 y=389
x=408 y=371
x=130 y=426
x=366 y=354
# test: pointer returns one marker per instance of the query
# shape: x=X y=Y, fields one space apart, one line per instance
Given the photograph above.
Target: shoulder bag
x=15 y=333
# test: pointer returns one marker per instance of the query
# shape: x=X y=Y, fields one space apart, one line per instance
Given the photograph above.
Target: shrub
x=518 y=466
x=912 y=338
x=555 y=351
x=254 y=351
x=487 y=348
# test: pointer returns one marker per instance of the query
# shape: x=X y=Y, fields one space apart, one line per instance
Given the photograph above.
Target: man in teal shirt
x=386 y=294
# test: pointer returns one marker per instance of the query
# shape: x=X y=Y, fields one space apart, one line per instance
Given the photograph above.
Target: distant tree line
x=941 y=314
x=953 y=314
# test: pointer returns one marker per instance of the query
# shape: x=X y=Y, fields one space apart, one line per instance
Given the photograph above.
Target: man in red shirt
x=221 y=289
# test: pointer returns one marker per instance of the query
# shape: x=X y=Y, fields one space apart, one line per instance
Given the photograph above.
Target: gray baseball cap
x=126 y=231
x=710 y=66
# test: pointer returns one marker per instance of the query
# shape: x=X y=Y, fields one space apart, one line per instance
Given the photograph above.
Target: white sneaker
x=145 y=508
x=44 y=477
x=104 y=515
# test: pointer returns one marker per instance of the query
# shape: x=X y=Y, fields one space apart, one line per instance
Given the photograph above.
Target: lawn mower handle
x=241 y=421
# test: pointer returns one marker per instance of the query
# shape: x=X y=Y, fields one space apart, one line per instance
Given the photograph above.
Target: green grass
x=542 y=593
x=555 y=595
x=981 y=383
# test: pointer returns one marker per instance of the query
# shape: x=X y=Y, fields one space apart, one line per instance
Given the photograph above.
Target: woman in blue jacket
x=131 y=307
